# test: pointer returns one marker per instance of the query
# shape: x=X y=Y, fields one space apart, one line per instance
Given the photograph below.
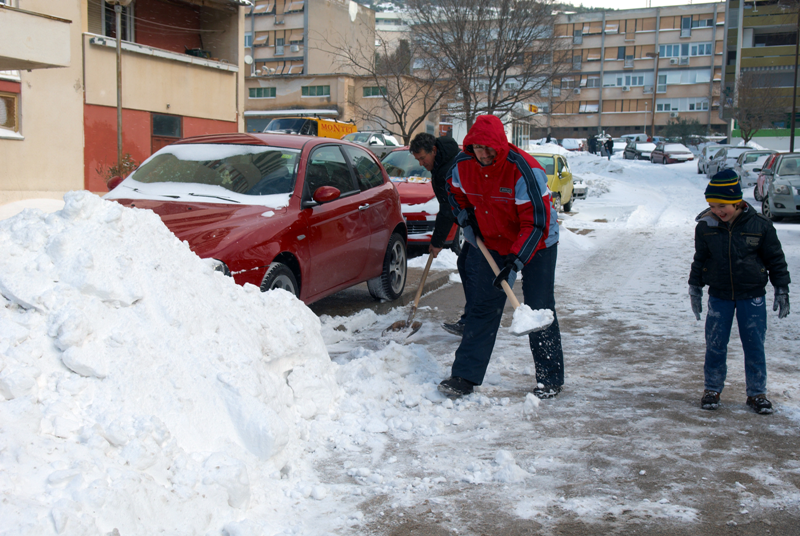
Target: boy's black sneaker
x=547 y=391
x=710 y=400
x=760 y=404
x=455 y=387
x=456 y=328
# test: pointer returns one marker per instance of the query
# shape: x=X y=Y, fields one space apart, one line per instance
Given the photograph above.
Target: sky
x=142 y=391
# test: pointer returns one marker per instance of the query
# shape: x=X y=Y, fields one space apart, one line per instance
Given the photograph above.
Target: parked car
x=619 y=145
x=638 y=150
x=760 y=190
x=310 y=126
x=670 y=153
x=705 y=155
x=635 y=137
x=725 y=159
x=379 y=142
x=782 y=197
x=419 y=203
x=748 y=162
x=306 y=214
x=574 y=144
x=559 y=179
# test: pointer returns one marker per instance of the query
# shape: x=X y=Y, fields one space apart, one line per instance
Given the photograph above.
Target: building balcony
x=31 y=40
x=177 y=73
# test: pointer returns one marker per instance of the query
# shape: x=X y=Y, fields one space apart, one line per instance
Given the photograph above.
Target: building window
x=567 y=83
x=620 y=53
x=374 y=91
x=166 y=130
x=248 y=40
x=637 y=80
x=9 y=111
x=593 y=82
x=702 y=49
x=262 y=92
x=110 y=22
x=316 y=91
x=696 y=105
x=702 y=23
x=662 y=84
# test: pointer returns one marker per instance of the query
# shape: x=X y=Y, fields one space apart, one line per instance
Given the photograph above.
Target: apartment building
x=182 y=75
x=637 y=69
x=763 y=45
x=295 y=66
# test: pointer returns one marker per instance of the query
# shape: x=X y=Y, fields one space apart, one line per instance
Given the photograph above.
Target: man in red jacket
x=500 y=193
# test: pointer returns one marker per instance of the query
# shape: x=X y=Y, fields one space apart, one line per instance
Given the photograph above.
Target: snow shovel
x=407 y=324
x=525 y=319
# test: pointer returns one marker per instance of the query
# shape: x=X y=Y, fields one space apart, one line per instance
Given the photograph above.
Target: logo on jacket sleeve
x=506 y=190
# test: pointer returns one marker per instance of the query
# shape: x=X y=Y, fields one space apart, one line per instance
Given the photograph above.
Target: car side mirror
x=113 y=182
x=757 y=170
x=326 y=194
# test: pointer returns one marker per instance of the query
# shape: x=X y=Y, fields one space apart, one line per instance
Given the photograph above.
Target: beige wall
x=338 y=23
x=49 y=160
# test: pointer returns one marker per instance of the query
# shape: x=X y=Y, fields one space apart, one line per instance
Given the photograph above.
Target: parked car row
x=660 y=152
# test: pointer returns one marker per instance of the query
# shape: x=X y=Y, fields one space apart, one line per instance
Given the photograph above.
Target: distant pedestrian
x=736 y=252
x=549 y=139
x=609 y=147
x=592 y=143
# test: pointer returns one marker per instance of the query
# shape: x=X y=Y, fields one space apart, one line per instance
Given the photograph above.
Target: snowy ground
x=144 y=393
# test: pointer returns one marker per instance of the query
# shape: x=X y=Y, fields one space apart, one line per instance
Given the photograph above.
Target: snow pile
x=548 y=148
x=140 y=390
x=445 y=260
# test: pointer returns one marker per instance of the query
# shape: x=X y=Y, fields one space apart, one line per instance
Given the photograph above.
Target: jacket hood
x=446 y=150
x=713 y=221
x=488 y=130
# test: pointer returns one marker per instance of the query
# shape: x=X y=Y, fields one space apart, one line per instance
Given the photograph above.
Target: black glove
x=473 y=222
x=509 y=272
x=781 y=301
x=696 y=295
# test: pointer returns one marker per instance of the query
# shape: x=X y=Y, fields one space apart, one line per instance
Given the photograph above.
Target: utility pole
x=794 y=93
x=118 y=5
x=655 y=56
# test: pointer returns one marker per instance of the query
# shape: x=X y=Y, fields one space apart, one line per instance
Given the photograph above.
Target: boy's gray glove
x=781 y=303
x=696 y=295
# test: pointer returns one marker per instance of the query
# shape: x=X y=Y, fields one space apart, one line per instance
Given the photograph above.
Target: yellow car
x=559 y=179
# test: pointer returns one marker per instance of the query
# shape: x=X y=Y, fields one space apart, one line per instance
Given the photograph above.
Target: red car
x=310 y=215
x=420 y=205
x=670 y=153
x=760 y=190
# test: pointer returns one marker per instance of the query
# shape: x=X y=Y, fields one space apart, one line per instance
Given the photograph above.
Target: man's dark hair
x=422 y=141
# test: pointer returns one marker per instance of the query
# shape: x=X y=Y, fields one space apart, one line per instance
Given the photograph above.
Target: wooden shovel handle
x=419 y=290
x=513 y=299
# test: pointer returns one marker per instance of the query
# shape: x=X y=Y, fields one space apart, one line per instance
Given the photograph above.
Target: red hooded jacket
x=510 y=197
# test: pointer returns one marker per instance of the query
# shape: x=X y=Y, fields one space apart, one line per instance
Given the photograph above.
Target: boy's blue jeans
x=751 y=317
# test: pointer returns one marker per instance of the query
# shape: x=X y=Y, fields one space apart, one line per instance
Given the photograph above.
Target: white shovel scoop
x=526 y=320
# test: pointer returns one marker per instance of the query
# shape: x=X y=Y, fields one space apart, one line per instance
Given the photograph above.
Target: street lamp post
x=655 y=56
x=118 y=5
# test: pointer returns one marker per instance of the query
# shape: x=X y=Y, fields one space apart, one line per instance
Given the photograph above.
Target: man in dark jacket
x=437 y=156
x=499 y=192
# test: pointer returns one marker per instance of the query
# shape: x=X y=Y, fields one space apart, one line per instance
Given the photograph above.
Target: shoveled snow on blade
x=527 y=320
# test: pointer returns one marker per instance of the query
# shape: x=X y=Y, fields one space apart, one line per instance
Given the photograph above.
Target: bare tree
x=406 y=98
x=759 y=104
x=497 y=53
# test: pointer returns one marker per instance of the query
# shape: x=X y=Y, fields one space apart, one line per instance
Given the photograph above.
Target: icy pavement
x=144 y=393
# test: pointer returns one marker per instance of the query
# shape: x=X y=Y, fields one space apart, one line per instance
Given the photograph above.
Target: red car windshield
x=402 y=164
x=244 y=169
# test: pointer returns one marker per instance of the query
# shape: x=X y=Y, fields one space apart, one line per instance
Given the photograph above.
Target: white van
x=635 y=137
